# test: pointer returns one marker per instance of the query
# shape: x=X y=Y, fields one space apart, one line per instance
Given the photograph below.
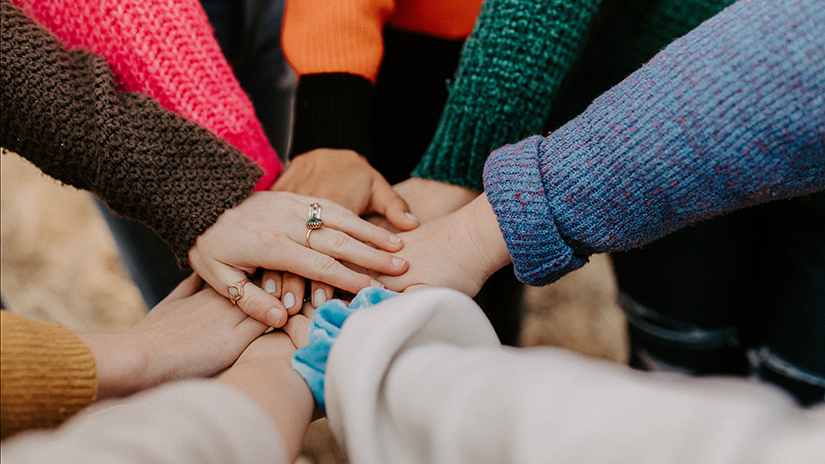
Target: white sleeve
x=421 y=378
x=193 y=421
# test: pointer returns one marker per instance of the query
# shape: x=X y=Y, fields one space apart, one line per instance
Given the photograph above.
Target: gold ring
x=315 y=221
x=309 y=232
x=235 y=291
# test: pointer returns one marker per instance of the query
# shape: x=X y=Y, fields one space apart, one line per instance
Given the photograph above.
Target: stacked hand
x=269 y=230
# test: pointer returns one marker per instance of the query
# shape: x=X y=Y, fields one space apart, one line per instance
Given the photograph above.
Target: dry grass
x=60 y=264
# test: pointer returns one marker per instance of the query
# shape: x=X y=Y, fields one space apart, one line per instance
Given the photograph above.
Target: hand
x=268 y=230
x=264 y=373
x=460 y=251
x=431 y=199
x=191 y=333
x=347 y=178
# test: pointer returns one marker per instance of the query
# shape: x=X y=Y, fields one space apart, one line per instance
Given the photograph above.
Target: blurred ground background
x=59 y=263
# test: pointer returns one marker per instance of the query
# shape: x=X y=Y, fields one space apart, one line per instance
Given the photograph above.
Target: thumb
x=386 y=202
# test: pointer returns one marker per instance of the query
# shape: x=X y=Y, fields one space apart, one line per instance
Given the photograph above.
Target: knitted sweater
x=731 y=115
x=521 y=52
x=62 y=111
x=167 y=50
x=337 y=47
x=46 y=374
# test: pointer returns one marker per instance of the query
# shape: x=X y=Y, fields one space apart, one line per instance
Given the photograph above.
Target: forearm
x=63 y=113
x=121 y=365
x=510 y=69
x=167 y=50
x=277 y=388
x=729 y=116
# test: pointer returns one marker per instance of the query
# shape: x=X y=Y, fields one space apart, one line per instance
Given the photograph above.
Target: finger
x=341 y=246
x=188 y=287
x=255 y=302
x=320 y=292
x=293 y=292
x=271 y=282
x=344 y=220
x=324 y=268
x=297 y=327
x=386 y=202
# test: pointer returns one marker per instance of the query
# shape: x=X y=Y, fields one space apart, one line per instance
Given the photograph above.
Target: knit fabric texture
x=62 y=111
x=729 y=116
x=46 y=374
x=623 y=36
x=167 y=50
x=520 y=65
x=510 y=68
x=345 y=36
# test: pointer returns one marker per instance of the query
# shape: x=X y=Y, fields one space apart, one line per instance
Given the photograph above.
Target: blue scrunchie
x=311 y=360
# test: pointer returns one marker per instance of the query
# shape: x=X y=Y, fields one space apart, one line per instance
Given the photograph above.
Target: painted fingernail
x=273 y=317
x=288 y=300
x=398 y=262
x=394 y=239
x=375 y=283
x=270 y=286
x=412 y=217
x=320 y=297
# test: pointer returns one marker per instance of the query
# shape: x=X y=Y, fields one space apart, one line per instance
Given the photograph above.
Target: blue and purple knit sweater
x=728 y=116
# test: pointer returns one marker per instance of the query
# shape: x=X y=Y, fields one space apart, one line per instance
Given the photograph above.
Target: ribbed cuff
x=333 y=111
x=48 y=374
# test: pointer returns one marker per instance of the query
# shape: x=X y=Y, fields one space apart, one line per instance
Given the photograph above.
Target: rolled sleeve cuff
x=515 y=189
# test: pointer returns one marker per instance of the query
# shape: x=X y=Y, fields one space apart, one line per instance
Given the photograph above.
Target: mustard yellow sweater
x=46 y=374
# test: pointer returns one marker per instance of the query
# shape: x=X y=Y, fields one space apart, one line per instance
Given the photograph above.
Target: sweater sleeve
x=183 y=422
x=337 y=49
x=48 y=374
x=731 y=115
x=422 y=378
x=62 y=112
x=167 y=50
x=510 y=69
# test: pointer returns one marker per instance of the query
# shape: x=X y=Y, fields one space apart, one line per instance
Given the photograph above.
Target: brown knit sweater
x=46 y=374
x=62 y=112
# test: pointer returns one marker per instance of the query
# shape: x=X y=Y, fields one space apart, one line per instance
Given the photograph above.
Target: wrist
x=122 y=366
x=482 y=228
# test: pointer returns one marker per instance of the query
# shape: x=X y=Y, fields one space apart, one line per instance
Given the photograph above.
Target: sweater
x=526 y=62
x=167 y=50
x=182 y=422
x=46 y=374
x=729 y=116
x=421 y=378
x=337 y=48
x=62 y=111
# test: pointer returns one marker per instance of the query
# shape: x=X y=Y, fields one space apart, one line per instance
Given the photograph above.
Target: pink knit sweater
x=166 y=49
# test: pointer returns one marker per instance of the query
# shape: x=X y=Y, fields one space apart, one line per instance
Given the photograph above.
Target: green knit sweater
x=521 y=55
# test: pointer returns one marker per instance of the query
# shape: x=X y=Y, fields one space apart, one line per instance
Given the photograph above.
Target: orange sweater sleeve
x=345 y=36
x=342 y=36
x=337 y=47
x=46 y=374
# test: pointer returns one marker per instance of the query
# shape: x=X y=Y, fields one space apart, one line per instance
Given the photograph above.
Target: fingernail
x=394 y=239
x=320 y=297
x=412 y=217
x=375 y=283
x=273 y=317
x=270 y=286
x=288 y=300
x=398 y=262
